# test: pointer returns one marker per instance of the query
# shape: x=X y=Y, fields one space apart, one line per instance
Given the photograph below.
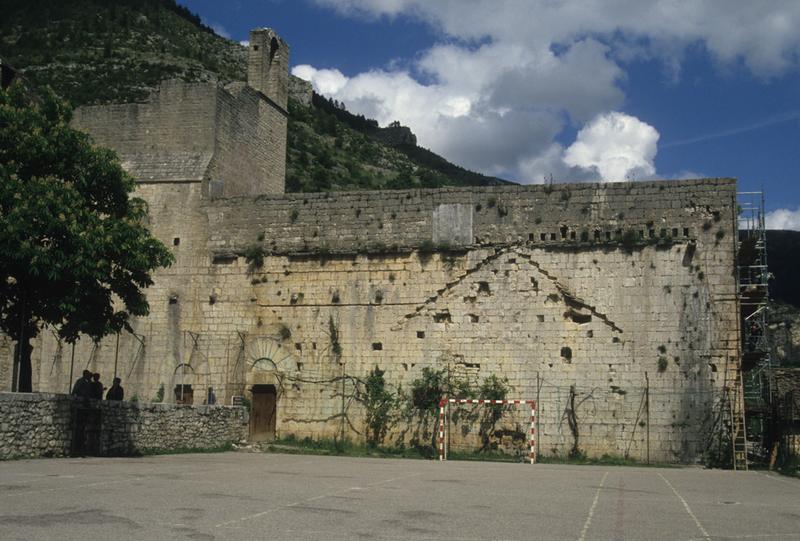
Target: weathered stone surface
x=506 y=304
x=42 y=425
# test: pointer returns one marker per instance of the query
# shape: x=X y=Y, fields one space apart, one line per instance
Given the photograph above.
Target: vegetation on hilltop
x=96 y=51
x=332 y=149
x=784 y=259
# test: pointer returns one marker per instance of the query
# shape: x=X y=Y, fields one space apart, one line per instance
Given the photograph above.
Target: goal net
x=471 y=424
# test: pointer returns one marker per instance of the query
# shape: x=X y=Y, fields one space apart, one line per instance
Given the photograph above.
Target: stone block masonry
x=586 y=215
x=589 y=290
x=36 y=425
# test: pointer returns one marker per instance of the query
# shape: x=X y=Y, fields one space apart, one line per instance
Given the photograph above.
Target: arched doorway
x=263 y=409
x=268 y=365
x=183 y=377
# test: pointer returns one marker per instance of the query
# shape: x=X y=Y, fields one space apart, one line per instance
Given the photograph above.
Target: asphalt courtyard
x=273 y=496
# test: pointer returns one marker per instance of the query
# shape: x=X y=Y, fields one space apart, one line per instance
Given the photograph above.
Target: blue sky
x=528 y=89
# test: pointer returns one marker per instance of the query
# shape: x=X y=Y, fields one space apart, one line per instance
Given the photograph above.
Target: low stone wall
x=53 y=425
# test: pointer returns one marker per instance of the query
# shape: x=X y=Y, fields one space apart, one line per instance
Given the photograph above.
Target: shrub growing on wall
x=379 y=403
x=492 y=388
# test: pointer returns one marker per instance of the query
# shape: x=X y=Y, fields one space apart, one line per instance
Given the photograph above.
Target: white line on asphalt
x=319 y=497
x=776 y=478
x=688 y=509
x=591 y=509
x=792 y=535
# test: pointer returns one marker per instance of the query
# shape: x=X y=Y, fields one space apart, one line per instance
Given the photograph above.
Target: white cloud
x=245 y=43
x=325 y=81
x=761 y=32
x=220 y=30
x=783 y=219
x=617 y=145
x=498 y=96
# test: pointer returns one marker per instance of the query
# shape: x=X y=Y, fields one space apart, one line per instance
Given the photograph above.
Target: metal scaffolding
x=753 y=276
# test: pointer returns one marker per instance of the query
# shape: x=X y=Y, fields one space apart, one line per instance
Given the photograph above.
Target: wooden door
x=262 y=413
x=184 y=394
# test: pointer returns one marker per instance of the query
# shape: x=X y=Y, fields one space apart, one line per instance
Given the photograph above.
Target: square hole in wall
x=176 y=241
x=298 y=346
x=651 y=233
x=442 y=317
x=685 y=231
x=674 y=231
x=377 y=346
x=597 y=234
x=420 y=334
x=531 y=237
x=608 y=235
x=542 y=236
x=572 y=235
x=552 y=236
x=540 y=318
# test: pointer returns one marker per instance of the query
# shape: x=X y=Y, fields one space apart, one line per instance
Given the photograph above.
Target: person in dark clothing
x=82 y=387
x=116 y=392
x=96 y=387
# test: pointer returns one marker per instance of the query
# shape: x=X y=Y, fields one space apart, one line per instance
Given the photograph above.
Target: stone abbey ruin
x=592 y=299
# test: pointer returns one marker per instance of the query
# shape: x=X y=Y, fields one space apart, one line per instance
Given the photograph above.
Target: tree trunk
x=25 y=383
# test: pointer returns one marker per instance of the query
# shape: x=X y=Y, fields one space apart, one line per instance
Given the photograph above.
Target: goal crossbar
x=444 y=402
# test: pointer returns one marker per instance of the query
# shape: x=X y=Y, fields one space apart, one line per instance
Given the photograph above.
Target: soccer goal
x=444 y=407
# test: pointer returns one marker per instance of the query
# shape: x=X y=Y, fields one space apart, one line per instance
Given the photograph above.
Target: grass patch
x=491 y=455
x=224 y=448
x=605 y=460
x=331 y=447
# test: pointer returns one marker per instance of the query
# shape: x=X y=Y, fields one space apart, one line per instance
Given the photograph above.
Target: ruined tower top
x=268 y=65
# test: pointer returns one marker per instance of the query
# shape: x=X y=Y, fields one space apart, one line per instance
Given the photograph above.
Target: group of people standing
x=89 y=386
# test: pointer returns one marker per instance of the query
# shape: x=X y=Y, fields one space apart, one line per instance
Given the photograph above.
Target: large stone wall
x=585 y=291
x=565 y=214
x=230 y=139
x=43 y=425
x=170 y=138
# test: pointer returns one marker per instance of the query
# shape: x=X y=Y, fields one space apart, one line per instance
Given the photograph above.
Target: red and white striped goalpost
x=445 y=401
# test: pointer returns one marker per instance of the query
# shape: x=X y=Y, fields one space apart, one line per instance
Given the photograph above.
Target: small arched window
x=273 y=48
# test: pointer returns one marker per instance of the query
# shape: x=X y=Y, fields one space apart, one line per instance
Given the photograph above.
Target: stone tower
x=268 y=65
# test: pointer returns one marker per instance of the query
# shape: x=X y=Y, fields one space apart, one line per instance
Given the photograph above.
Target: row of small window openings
x=608 y=235
x=376 y=346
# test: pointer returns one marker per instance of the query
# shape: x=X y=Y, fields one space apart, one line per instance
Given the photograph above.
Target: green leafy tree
x=74 y=250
